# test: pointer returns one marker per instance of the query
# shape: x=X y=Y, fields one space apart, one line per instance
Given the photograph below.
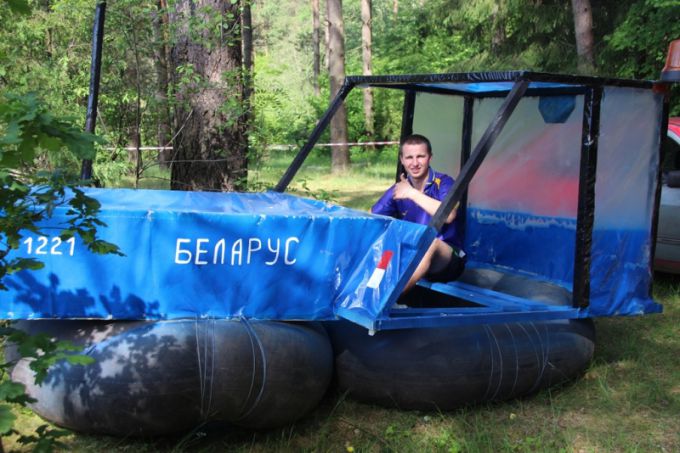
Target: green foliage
x=29 y=129
x=449 y=36
x=46 y=439
x=28 y=133
x=636 y=47
x=45 y=48
x=44 y=351
x=19 y=6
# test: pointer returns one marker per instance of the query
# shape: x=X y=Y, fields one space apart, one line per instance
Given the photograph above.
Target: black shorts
x=451 y=272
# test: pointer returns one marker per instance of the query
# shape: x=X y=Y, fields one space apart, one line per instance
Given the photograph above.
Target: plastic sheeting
x=221 y=255
x=521 y=212
x=627 y=166
x=522 y=202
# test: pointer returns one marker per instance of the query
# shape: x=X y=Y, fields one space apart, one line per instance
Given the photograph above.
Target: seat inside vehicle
x=487 y=281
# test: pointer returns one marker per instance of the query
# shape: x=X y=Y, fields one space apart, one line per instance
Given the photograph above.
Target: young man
x=416 y=198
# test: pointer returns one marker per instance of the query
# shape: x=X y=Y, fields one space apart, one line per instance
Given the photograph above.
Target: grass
x=371 y=173
x=627 y=401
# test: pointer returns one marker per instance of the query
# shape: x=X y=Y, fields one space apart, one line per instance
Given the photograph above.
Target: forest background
x=279 y=85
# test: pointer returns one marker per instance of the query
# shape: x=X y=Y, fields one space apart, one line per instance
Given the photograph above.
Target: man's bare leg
x=436 y=258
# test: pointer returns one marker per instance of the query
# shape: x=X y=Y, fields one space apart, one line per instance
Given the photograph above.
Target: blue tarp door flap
x=376 y=284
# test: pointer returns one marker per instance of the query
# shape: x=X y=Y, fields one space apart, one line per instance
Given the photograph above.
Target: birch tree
x=583 y=29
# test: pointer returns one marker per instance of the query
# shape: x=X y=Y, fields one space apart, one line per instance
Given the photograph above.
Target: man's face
x=416 y=160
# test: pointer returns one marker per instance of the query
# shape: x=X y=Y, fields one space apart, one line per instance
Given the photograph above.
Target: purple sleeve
x=444 y=187
x=386 y=204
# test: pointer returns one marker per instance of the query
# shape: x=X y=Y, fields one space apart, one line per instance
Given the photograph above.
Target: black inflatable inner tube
x=448 y=367
x=167 y=377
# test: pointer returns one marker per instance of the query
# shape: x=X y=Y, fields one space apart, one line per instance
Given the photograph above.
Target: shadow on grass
x=311 y=433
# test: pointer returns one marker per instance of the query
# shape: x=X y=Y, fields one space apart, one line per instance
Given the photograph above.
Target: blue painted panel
x=277 y=256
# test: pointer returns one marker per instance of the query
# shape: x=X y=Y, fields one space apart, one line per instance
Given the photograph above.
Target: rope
x=514 y=348
x=253 y=336
x=207 y=365
x=545 y=353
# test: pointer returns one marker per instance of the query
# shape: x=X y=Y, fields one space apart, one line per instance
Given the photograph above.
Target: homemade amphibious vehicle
x=240 y=307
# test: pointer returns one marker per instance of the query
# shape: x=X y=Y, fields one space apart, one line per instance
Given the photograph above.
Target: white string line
x=274 y=147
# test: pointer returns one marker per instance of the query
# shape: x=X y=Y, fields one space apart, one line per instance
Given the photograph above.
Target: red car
x=667 y=258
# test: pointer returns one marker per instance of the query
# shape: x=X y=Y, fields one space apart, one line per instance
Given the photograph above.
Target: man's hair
x=415 y=139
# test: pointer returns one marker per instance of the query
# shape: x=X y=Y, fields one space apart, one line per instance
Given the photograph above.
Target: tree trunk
x=366 y=40
x=326 y=41
x=336 y=57
x=498 y=30
x=161 y=65
x=247 y=27
x=316 y=46
x=583 y=29
x=210 y=145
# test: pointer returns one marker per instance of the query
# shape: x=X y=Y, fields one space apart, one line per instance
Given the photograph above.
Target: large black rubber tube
x=445 y=368
x=156 y=378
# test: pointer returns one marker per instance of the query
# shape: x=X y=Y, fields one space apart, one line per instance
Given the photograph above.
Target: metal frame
x=498 y=76
x=314 y=137
x=95 y=76
x=494 y=307
x=590 y=132
x=657 y=195
x=466 y=150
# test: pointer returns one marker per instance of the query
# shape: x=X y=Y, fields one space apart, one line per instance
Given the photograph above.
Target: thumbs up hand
x=403 y=189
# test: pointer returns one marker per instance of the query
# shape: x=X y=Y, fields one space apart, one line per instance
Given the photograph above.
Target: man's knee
x=445 y=265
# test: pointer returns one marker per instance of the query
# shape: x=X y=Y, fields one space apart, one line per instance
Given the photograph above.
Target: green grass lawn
x=627 y=401
x=371 y=174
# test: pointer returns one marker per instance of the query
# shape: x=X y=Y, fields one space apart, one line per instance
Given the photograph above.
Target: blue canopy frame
x=490 y=305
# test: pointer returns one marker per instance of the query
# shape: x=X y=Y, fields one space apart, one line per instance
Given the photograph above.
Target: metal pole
x=95 y=73
x=585 y=216
x=316 y=133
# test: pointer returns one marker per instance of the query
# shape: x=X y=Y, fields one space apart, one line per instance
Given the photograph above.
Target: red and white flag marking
x=380 y=269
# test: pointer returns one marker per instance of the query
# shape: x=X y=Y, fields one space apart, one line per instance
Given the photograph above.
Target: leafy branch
x=30 y=137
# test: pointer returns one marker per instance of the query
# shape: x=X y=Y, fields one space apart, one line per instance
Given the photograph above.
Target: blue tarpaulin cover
x=222 y=255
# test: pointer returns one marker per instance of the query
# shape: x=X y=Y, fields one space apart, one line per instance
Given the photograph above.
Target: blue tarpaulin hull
x=222 y=255
x=272 y=256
